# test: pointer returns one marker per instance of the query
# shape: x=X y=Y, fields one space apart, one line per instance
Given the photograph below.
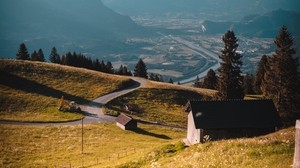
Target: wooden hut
x=230 y=119
x=125 y=122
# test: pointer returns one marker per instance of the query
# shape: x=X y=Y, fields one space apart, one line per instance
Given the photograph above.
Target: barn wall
x=193 y=134
x=217 y=134
x=121 y=126
x=132 y=125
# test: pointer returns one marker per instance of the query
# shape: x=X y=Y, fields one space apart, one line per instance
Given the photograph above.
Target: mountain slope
x=266 y=25
x=221 y=9
x=84 y=26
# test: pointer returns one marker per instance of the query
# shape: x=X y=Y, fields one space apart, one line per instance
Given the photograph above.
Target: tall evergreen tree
x=54 y=56
x=34 y=56
x=230 y=80
x=22 y=52
x=171 y=81
x=41 y=56
x=140 y=69
x=260 y=74
x=109 y=67
x=210 y=80
x=281 y=77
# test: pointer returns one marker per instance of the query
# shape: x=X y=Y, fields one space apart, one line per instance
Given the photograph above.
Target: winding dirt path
x=93 y=111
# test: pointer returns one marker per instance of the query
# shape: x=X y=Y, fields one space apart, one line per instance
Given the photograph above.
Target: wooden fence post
x=297 y=146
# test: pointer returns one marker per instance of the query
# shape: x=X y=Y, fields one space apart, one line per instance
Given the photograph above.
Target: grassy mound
x=30 y=91
x=159 y=103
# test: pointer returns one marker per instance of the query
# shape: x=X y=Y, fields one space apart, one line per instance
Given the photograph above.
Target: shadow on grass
x=144 y=132
x=20 y=83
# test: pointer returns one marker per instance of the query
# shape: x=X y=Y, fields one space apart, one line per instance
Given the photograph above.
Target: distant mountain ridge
x=266 y=25
x=217 y=9
x=84 y=26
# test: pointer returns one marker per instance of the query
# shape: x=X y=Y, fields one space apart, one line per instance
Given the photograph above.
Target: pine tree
x=152 y=77
x=156 y=78
x=171 y=81
x=109 y=67
x=230 y=79
x=140 y=69
x=22 y=52
x=281 y=77
x=54 y=56
x=41 y=56
x=210 y=80
x=260 y=74
x=34 y=56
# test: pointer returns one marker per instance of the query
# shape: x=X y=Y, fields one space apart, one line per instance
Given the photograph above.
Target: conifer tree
x=34 y=56
x=170 y=81
x=230 y=79
x=54 y=56
x=41 y=56
x=140 y=69
x=109 y=67
x=281 y=77
x=210 y=80
x=260 y=74
x=22 y=52
x=152 y=77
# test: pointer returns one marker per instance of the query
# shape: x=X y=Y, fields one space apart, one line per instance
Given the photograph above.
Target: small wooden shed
x=125 y=122
x=230 y=119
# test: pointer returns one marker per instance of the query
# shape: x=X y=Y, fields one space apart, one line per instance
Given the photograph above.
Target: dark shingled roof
x=123 y=119
x=234 y=114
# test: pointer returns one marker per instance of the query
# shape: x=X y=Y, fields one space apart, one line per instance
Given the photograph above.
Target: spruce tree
x=54 y=56
x=281 y=77
x=210 y=80
x=260 y=74
x=34 y=56
x=41 y=56
x=170 y=81
x=22 y=52
x=140 y=69
x=152 y=77
x=109 y=67
x=230 y=79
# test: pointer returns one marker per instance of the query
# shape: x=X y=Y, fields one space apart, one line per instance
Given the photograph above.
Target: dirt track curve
x=93 y=111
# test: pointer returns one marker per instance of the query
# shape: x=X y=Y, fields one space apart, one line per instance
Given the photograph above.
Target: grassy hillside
x=274 y=150
x=30 y=91
x=105 y=145
x=160 y=103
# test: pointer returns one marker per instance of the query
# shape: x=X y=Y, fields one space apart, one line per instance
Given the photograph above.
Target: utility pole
x=82 y=136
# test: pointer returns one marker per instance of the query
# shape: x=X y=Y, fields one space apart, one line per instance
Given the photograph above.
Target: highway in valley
x=212 y=59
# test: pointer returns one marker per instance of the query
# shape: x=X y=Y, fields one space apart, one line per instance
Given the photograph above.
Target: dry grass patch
x=273 y=150
x=60 y=146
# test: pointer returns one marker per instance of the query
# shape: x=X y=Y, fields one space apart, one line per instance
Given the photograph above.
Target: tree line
x=82 y=61
x=276 y=78
x=71 y=59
